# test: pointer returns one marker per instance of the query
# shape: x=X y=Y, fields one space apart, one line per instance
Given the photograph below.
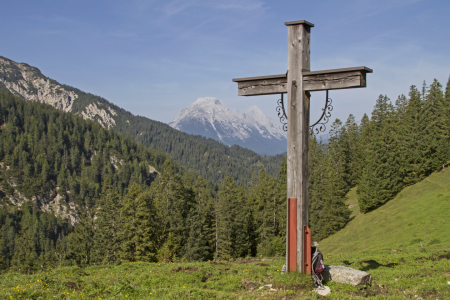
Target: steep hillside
x=418 y=217
x=209 y=158
x=61 y=162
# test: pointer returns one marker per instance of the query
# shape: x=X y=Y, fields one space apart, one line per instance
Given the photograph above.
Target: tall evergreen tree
x=81 y=241
x=138 y=229
x=381 y=179
x=435 y=128
x=351 y=136
x=411 y=140
x=225 y=218
x=173 y=202
x=108 y=222
x=200 y=244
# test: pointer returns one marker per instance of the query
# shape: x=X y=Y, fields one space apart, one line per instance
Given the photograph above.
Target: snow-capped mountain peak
x=252 y=129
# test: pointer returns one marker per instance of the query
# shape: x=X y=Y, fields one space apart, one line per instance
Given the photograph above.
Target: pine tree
x=335 y=214
x=108 y=222
x=339 y=158
x=225 y=218
x=381 y=179
x=138 y=229
x=351 y=136
x=281 y=199
x=25 y=249
x=264 y=199
x=173 y=203
x=411 y=140
x=435 y=128
x=200 y=245
x=81 y=241
x=316 y=187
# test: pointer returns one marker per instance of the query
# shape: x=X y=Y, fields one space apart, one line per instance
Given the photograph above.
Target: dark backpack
x=317 y=266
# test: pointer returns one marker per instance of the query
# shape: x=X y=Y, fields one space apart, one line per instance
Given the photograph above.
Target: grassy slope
x=385 y=243
x=420 y=213
x=198 y=280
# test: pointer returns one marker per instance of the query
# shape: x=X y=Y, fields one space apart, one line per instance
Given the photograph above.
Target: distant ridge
x=207 y=157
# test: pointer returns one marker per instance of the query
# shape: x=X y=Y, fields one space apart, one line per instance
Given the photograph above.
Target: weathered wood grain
x=298 y=128
x=312 y=81
x=334 y=81
x=263 y=86
x=298 y=82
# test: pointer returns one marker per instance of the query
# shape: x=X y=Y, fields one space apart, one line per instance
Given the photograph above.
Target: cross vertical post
x=299 y=37
x=298 y=83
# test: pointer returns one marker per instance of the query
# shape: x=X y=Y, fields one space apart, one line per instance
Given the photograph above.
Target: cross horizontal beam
x=312 y=81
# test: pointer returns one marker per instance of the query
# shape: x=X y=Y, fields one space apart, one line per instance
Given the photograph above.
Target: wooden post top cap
x=299 y=22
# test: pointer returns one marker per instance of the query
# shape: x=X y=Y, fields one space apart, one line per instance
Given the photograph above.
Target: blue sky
x=154 y=58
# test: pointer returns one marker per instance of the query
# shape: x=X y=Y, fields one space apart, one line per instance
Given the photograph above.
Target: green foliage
x=81 y=241
x=168 y=251
x=44 y=150
x=131 y=214
x=418 y=213
x=28 y=237
x=138 y=230
x=209 y=158
x=403 y=144
x=106 y=238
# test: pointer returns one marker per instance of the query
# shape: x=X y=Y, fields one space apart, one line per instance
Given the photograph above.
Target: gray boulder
x=347 y=275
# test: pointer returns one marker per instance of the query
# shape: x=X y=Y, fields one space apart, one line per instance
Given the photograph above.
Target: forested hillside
x=46 y=153
x=207 y=157
x=399 y=146
x=179 y=217
x=73 y=192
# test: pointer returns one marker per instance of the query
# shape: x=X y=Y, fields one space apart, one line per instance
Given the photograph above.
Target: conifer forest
x=74 y=193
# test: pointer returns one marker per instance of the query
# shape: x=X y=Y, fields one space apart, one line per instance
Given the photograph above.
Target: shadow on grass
x=371 y=264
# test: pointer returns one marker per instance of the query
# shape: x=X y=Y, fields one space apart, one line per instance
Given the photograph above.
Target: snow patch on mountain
x=251 y=129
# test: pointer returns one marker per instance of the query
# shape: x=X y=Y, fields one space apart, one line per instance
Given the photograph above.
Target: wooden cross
x=298 y=82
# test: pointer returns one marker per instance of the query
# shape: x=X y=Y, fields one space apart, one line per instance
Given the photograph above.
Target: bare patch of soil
x=431 y=294
x=443 y=256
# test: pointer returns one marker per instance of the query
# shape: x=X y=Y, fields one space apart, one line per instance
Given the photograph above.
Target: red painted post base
x=292 y=241
x=292 y=236
x=306 y=250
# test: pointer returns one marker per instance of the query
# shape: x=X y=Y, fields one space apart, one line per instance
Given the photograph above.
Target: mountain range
x=207 y=157
x=252 y=129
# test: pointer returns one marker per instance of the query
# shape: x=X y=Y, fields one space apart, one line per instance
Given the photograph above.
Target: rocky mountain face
x=208 y=157
x=29 y=83
x=251 y=129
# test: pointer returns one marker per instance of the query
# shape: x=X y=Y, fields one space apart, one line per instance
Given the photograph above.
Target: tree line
x=181 y=216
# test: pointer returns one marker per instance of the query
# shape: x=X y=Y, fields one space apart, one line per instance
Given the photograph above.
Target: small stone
x=323 y=291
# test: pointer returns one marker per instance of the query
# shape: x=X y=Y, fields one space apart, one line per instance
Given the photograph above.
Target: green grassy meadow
x=404 y=244
x=242 y=279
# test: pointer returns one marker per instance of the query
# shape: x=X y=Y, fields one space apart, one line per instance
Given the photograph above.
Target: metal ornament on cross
x=297 y=83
